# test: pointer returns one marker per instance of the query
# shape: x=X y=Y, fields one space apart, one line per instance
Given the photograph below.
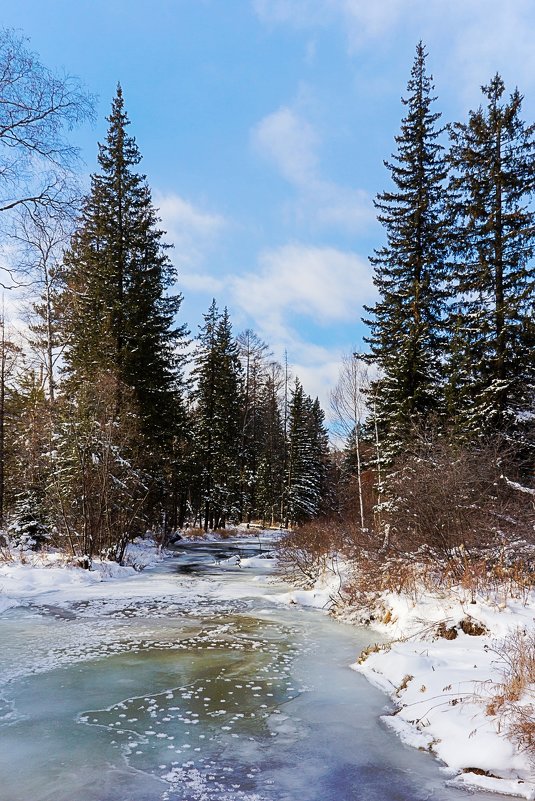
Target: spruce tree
x=253 y=353
x=96 y=493
x=118 y=317
x=322 y=463
x=306 y=480
x=271 y=459
x=218 y=402
x=492 y=345
x=406 y=321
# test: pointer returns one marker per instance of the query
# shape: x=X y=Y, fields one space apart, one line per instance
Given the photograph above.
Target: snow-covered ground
x=43 y=572
x=442 y=687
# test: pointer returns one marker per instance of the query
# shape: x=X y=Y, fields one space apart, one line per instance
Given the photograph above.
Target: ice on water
x=208 y=693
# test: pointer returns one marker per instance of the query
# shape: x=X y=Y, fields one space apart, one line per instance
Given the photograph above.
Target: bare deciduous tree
x=41 y=237
x=348 y=404
x=37 y=108
x=96 y=495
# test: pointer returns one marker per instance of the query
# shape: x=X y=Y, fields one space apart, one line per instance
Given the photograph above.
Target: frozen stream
x=190 y=682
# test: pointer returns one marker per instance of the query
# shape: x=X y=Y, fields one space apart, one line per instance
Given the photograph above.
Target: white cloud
x=310 y=52
x=191 y=230
x=362 y=19
x=334 y=206
x=200 y=282
x=193 y=233
x=289 y=142
x=18 y=292
x=325 y=285
x=479 y=37
x=321 y=283
x=179 y=212
x=488 y=37
x=318 y=370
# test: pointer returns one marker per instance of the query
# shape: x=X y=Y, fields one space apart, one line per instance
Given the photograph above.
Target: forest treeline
x=115 y=419
x=439 y=412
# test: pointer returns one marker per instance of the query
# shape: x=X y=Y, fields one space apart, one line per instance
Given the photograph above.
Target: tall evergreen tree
x=492 y=349
x=322 y=463
x=271 y=459
x=218 y=399
x=119 y=318
x=405 y=323
x=253 y=354
x=96 y=493
x=307 y=458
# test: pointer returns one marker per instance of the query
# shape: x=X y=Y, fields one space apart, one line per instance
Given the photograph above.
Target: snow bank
x=143 y=553
x=36 y=574
x=325 y=591
x=19 y=581
x=440 y=687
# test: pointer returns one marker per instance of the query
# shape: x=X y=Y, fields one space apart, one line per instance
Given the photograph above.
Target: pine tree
x=492 y=345
x=118 y=317
x=271 y=459
x=321 y=462
x=218 y=399
x=29 y=432
x=306 y=482
x=28 y=528
x=406 y=338
x=14 y=430
x=253 y=353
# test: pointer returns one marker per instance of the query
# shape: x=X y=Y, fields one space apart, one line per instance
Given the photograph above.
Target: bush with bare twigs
x=303 y=551
x=513 y=698
x=451 y=515
x=5 y=552
x=456 y=500
x=453 y=510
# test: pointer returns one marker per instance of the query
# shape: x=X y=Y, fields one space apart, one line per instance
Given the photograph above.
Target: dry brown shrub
x=303 y=550
x=473 y=627
x=448 y=518
x=225 y=533
x=363 y=588
x=513 y=699
x=503 y=571
x=403 y=577
x=446 y=632
x=454 y=519
x=404 y=683
x=194 y=533
x=455 y=501
x=511 y=574
x=371 y=649
x=5 y=553
x=522 y=729
x=376 y=573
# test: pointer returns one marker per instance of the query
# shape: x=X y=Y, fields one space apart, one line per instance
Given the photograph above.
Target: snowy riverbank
x=445 y=687
x=34 y=574
x=441 y=687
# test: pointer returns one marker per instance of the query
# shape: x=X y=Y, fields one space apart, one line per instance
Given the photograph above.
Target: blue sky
x=264 y=124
